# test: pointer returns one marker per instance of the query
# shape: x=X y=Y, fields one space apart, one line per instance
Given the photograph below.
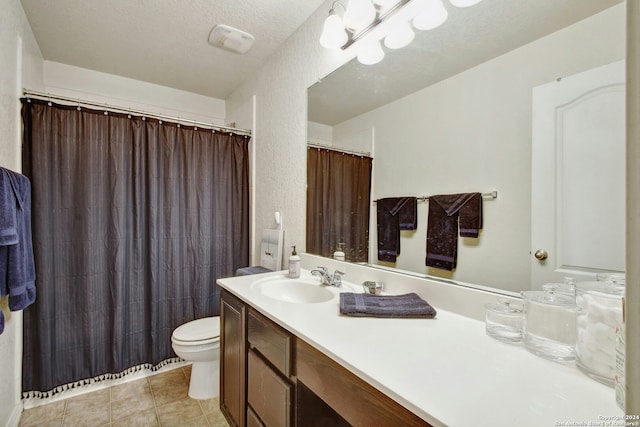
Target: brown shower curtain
x=133 y=221
x=338 y=202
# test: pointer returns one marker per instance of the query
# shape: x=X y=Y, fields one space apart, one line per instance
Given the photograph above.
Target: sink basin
x=297 y=291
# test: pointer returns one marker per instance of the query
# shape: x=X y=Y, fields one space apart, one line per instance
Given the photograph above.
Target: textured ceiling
x=468 y=38
x=164 y=41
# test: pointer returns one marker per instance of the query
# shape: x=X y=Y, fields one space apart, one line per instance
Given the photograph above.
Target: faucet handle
x=336 y=280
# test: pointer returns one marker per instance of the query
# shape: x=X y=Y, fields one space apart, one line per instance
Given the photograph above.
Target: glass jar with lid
x=549 y=325
x=503 y=320
x=600 y=313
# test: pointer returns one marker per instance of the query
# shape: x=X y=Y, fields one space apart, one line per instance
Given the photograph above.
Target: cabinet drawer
x=268 y=394
x=273 y=342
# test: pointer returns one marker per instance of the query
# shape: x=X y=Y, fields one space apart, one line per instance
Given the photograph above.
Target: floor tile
x=173 y=377
x=133 y=388
x=210 y=405
x=88 y=409
x=90 y=417
x=132 y=404
x=200 y=421
x=187 y=370
x=46 y=415
x=217 y=419
x=144 y=418
x=180 y=412
x=170 y=393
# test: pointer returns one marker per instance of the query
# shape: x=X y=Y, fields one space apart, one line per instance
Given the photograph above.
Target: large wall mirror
x=452 y=113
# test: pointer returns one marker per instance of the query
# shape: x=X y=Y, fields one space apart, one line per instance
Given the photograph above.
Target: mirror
x=451 y=113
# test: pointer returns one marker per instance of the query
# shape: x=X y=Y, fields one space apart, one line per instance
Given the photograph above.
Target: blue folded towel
x=247 y=271
x=396 y=306
x=17 y=267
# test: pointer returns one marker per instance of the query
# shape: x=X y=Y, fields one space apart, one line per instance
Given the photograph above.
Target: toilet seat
x=198 y=332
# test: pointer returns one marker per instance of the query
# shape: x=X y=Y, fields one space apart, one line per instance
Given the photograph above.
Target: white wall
x=20 y=64
x=280 y=133
x=84 y=84
x=472 y=132
x=317 y=133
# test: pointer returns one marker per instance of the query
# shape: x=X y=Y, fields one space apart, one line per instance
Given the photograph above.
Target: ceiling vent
x=231 y=39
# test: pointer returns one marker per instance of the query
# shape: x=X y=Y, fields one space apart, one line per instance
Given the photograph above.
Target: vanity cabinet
x=271 y=378
x=233 y=359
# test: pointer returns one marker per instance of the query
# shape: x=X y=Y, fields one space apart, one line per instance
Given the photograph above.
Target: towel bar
x=491 y=195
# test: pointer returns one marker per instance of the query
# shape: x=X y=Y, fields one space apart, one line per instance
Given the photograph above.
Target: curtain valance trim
x=104 y=377
x=74 y=102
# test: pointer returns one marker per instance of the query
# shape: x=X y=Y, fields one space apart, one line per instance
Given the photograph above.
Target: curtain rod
x=491 y=195
x=341 y=150
x=76 y=101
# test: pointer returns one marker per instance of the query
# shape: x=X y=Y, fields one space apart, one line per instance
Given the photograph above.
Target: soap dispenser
x=294 y=264
x=339 y=253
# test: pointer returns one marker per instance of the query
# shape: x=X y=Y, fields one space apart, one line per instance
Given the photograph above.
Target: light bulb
x=359 y=14
x=431 y=15
x=333 y=33
x=370 y=53
x=464 y=3
x=399 y=36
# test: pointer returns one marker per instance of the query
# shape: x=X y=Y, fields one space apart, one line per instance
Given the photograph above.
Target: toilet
x=198 y=342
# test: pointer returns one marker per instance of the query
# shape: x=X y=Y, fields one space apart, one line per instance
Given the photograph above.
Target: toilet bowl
x=198 y=342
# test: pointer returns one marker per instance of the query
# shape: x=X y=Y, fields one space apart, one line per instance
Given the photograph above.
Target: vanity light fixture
x=369 y=21
x=334 y=34
x=370 y=52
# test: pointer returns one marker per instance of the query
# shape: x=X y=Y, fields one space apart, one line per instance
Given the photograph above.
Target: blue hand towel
x=396 y=306
x=17 y=268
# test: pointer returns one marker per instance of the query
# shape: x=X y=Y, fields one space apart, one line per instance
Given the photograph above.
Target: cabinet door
x=233 y=359
x=269 y=395
x=252 y=418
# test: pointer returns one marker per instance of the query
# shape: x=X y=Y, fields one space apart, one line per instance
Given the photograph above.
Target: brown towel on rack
x=394 y=214
x=471 y=216
x=442 y=226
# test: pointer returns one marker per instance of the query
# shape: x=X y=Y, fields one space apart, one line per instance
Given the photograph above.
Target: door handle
x=541 y=254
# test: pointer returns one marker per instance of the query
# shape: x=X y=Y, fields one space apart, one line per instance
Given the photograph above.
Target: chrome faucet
x=323 y=273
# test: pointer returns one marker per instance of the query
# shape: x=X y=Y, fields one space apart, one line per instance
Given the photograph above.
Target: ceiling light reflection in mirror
x=370 y=21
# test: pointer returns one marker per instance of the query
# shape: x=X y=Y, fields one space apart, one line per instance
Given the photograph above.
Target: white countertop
x=446 y=370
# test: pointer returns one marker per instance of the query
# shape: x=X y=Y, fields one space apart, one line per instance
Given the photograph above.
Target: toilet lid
x=198 y=330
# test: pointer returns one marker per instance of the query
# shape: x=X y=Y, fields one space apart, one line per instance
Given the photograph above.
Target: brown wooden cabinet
x=233 y=359
x=271 y=378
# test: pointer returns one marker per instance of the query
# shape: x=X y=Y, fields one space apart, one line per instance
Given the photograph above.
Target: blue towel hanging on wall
x=17 y=269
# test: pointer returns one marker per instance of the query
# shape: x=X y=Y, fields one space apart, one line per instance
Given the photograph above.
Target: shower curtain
x=338 y=203
x=133 y=221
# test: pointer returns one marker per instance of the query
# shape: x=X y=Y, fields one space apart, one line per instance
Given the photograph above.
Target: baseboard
x=14 y=419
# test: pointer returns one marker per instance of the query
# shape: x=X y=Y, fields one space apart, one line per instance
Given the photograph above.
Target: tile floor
x=158 y=400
